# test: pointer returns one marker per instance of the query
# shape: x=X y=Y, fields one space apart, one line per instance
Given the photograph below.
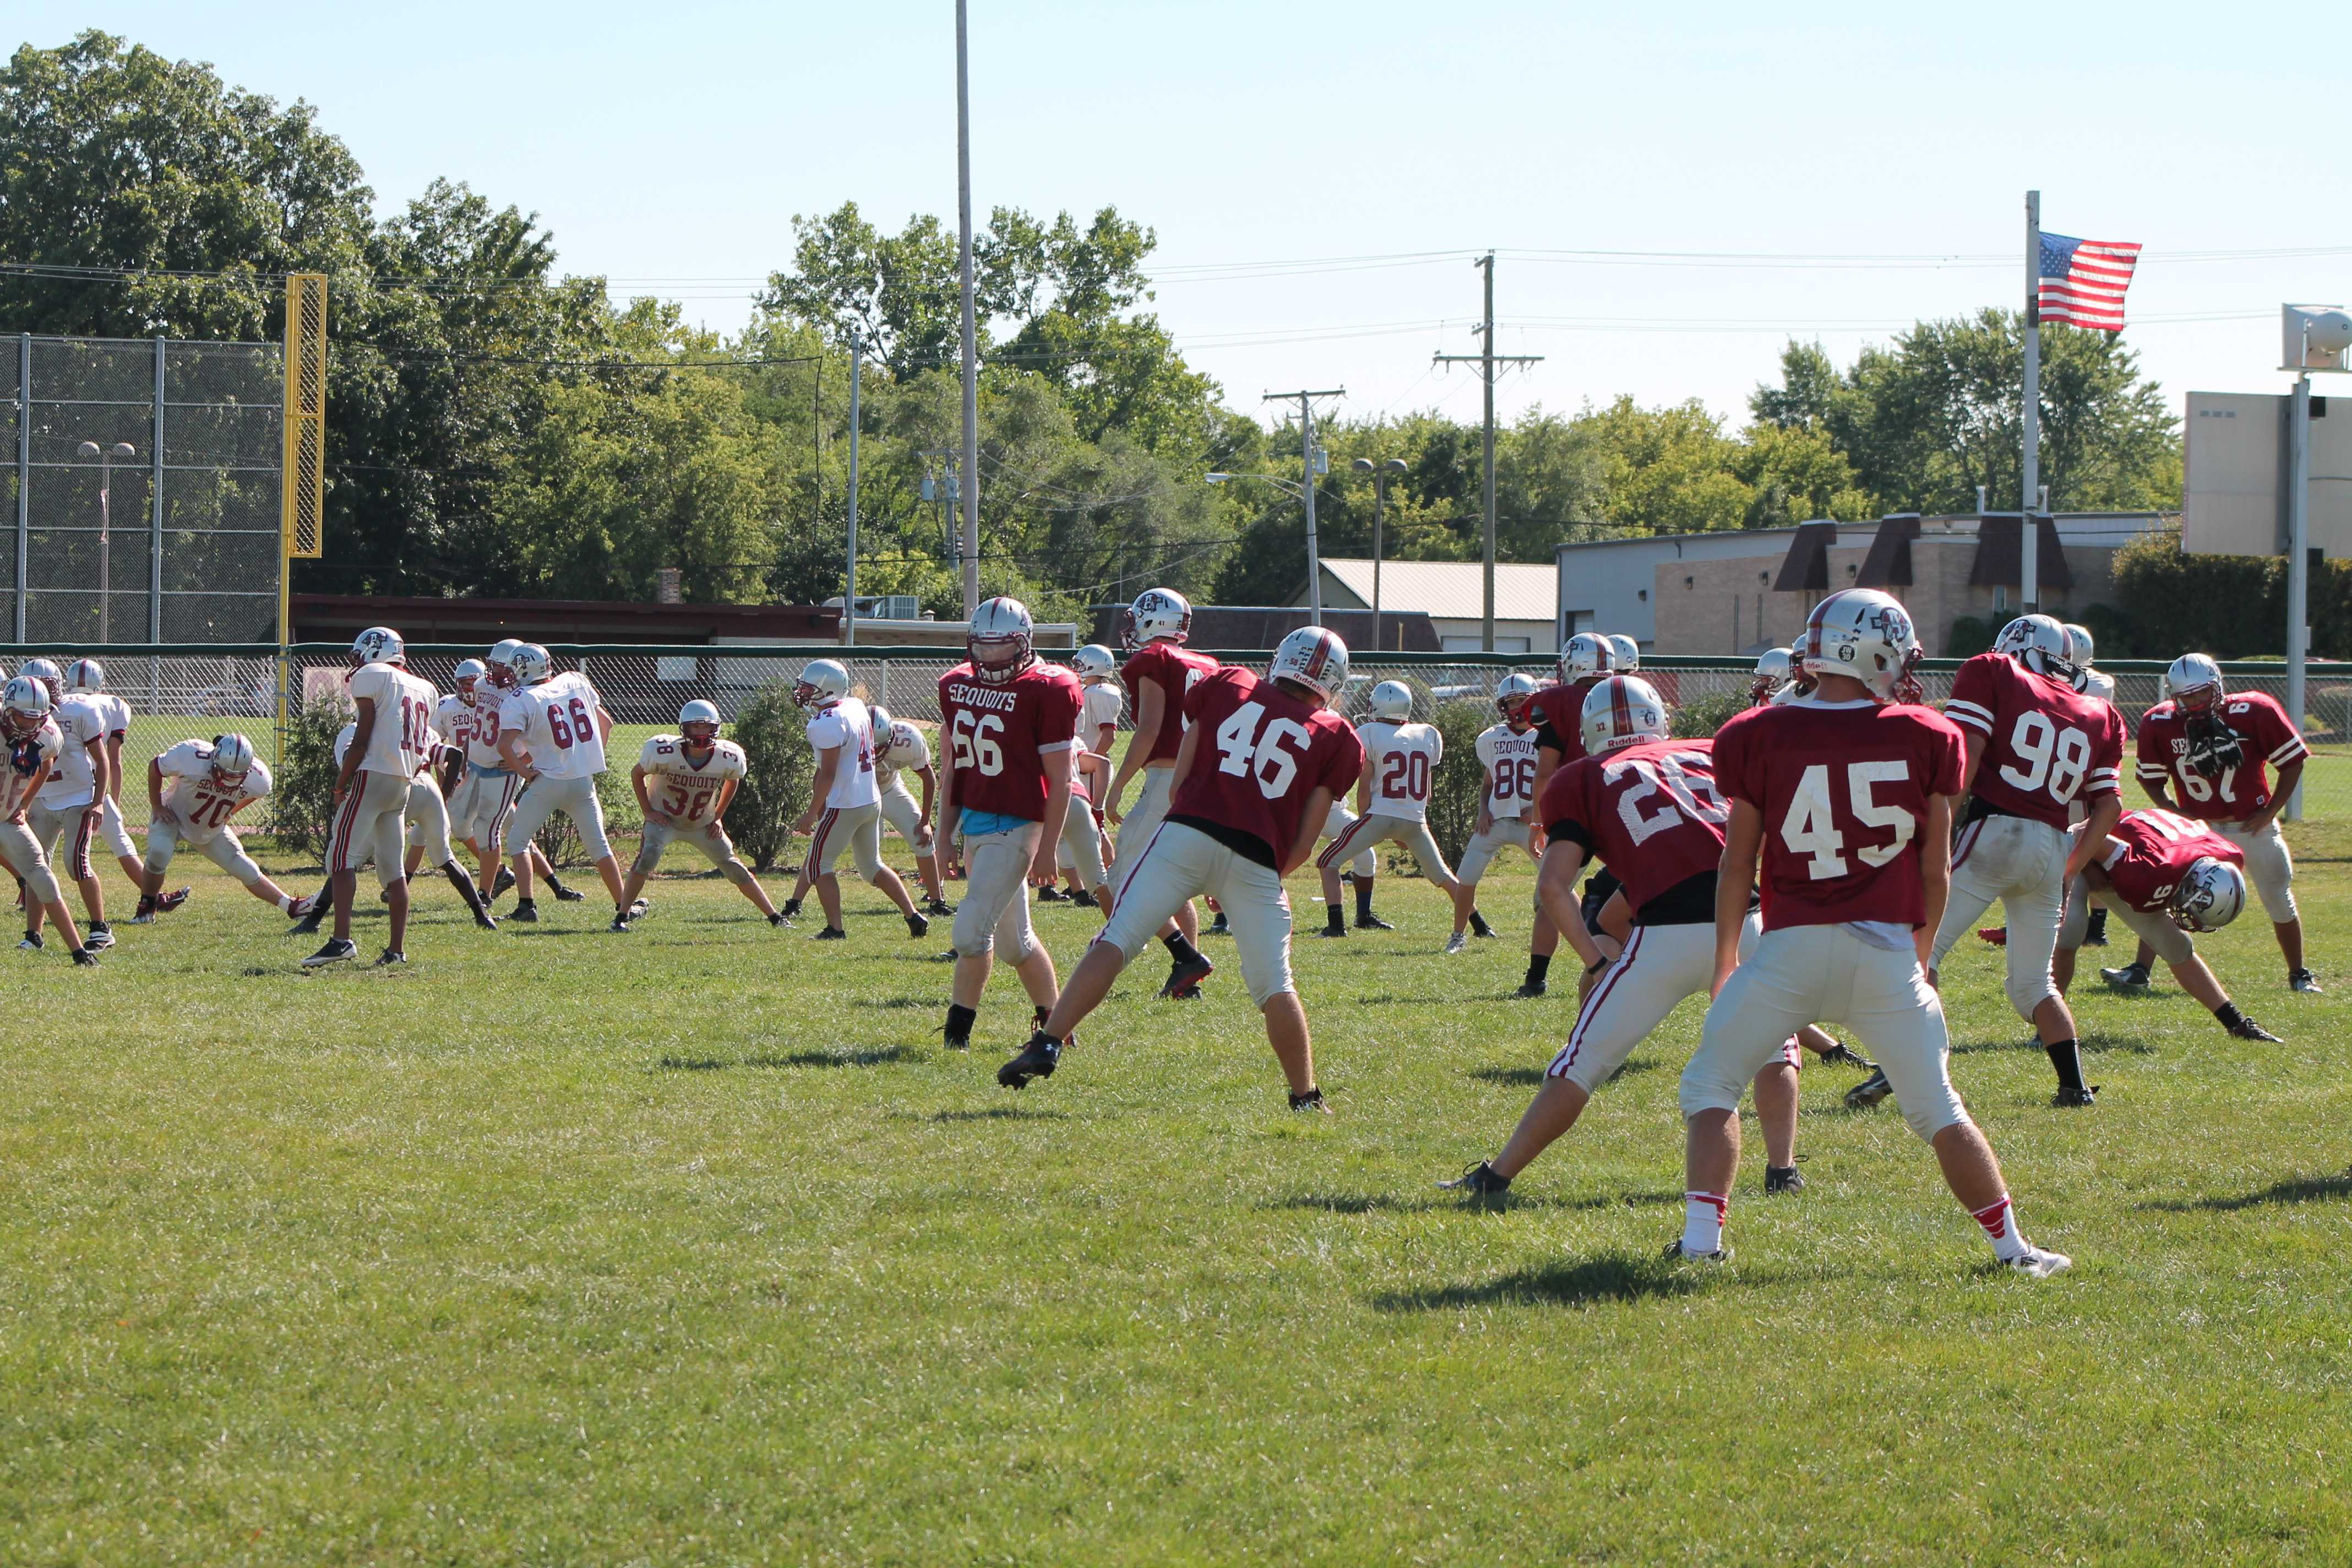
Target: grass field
x=695 y=1247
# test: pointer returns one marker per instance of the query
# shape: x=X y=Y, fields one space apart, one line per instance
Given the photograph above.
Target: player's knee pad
x=1938 y=1111
x=41 y=886
x=2028 y=992
x=736 y=872
x=648 y=860
x=1704 y=1086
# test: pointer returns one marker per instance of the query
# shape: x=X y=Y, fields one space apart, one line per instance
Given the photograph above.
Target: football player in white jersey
x=392 y=735
x=426 y=811
x=1506 y=810
x=483 y=802
x=193 y=791
x=87 y=677
x=1081 y=855
x=900 y=749
x=66 y=813
x=33 y=745
x=1401 y=758
x=845 y=809
x=551 y=730
x=684 y=783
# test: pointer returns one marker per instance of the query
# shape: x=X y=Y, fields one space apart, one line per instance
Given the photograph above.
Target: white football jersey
x=480 y=728
x=2098 y=683
x=113 y=709
x=557 y=722
x=404 y=718
x=1104 y=703
x=1401 y=761
x=849 y=724
x=204 y=808
x=1509 y=758
x=681 y=786
x=903 y=747
x=24 y=759
x=73 y=780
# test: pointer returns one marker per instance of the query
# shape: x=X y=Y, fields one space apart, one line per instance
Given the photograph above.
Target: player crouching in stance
x=1401 y=759
x=1260 y=761
x=685 y=783
x=192 y=790
x=1507 y=751
x=2169 y=876
x=1007 y=724
x=34 y=743
x=1848 y=795
x=1647 y=804
x=845 y=808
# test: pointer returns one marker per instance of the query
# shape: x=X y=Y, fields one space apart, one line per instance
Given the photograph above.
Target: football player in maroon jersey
x=2170 y=876
x=1007 y=723
x=1260 y=761
x=1847 y=794
x=2214 y=748
x=1159 y=671
x=2035 y=745
x=1559 y=713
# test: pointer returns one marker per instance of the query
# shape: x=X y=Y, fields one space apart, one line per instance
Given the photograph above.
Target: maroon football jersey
x=2268 y=740
x=994 y=737
x=1562 y=708
x=2045 y=743
x=2159 y=847
x=1261 y=752
x=1649 y=812
x=1176 y=669
x=1843 y=790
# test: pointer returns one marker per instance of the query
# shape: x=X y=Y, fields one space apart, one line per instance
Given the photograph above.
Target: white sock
x=2000 y=1221
x=1702 y=1222
x=284 y=904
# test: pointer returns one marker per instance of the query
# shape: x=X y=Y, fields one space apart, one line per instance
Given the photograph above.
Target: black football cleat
x=504 y=881
x=391 y=959
x=1779 y=1179
x=938 y=909
x=1184 y=980
x=1372 y=922
x=1845 y=1056
x=2130 y=977
x=1311 y=1103
x=1052 y=895
x=1085 y=900
x=1677 y=1253
x=1333 y=932
x=569 y=894
x=619 y=924
x=1220 y=926
x=779 y=920
x=339 y=950
x=486 y=921
x=1038 y=1058
x=917 y=926
x=831 y=933
x=2245 y=1028
x=86 y=957
x=1869 y=1092
x=1480 y=1181
x=526 y=911
x=2071 y=1098
x=1530 y=989
x=308 y=924
x=2303 y=980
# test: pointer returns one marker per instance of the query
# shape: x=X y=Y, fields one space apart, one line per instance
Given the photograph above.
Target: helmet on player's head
x=1775 y=667
x=531 y=664
x=698 y=711
x=1512 y=696
x=2040 y=643
x=85 y=676
x=822 y=683
x=378 y=645
x=46 y=672
x=24 y=703
x=469 y=670
x=2194 y=682
x=1093 y=663
x=1156 y=613
x=880 y=718
x=2209 y=895
x=1393 y=700
x=1628 y=652
x=1585 y=654
x=1619 y=710
x=998 y=638
x=1313 y=657
x=232 y=758
x=1865 y=634
x=2079 y=645
x=502 y=659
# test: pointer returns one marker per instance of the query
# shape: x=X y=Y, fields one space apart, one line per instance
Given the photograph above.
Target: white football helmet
x=1512 y=696
x=820 y=685
x=998 y=640
x=45 y=671
x=1775 y=667
x=531 y=665
x=1628 y=652
x=378 y=645
x=1392 y=701
x=85 y=676
x=1866 y=633
x=698 y=711
x=2209 y=895
x=24 y=703
x=469 y=670
x=1095 y=664
x=1584 y=654
x=2039 y=643
x=1314 y=658
x=2194 y=682
x=2080 y=646
x=232 y=758
x=1619 y=710
x=1156 y=613
x=502 y=659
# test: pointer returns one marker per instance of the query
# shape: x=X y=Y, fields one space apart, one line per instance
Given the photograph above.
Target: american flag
x=2082 y=281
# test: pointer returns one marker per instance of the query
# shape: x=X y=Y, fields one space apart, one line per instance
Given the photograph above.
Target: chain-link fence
x=181 y=693
x=142 y=486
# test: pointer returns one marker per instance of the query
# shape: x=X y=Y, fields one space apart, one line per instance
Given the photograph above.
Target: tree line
x=499 y=429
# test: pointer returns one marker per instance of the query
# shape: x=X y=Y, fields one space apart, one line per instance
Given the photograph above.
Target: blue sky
x=669 y=149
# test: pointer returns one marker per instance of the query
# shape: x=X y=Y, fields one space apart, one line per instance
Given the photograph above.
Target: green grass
x=695 y=1247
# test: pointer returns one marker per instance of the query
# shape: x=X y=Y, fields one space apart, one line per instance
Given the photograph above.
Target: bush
x=302 y=794
x=1461 y=780
x=1703 y=716
x=1970 y=636
x=778 y=768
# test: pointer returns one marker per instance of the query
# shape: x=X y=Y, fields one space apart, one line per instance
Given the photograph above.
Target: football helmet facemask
x=2194 y=682
x=1512 y=696
x=1775 y=667
x=700 y=715
x=377 y=644
x=822 y=684
x=2207 y=897
x=1865 y=634
x=998 y=641
x=232 y=760
x=24 y=704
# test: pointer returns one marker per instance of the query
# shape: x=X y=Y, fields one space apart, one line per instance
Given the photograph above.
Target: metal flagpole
x=971 y=477
x=2029 y=592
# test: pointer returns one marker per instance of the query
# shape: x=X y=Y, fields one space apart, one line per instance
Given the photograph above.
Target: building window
x=2000 y=601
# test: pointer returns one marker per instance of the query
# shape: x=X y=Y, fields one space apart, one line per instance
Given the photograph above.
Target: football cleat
x=1870 y=1091
x=1457 y=942
x=86 y=957
x=1372 y=922
x=505 y=879
x=640 y=908
x=97 y=938
x=1783 y=1179
x=1037 y=1059
x=172 y=900
x=526 y=911
x=917 y=926
x=2245 y=1028
x=831 y=933
x=486 y=921
x=567 y=895
x=619 y=924
x=779 y=920
x=2037 y=1263
x=2071 y=1098
x=2303 y=980
x=1085 y=900
x=1997 y=935
x=2130 y=977
x=1333 y=930
x=1184 y=980
x=1052 y=895
x=305 y=907
x=938 y=909
x=1481 y=1181
x=145 y=917
x=32 y=942
x=1529 y=989
x=391 y=959
x=1311 y=1103
x=308 y=924
x=1845 y=1056
x=1220 y=926
x=339 y=950
x=1675 y=1253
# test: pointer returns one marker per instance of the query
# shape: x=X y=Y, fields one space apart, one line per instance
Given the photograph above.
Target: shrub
x=779 y=767
x=1703 y=716
x=1454 y=792
x=302 y=794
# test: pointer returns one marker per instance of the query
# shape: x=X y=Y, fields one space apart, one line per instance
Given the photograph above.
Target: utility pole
x=2029 y=490
x=1486 y=359
x=849 y=577
x=1307 y=490
x=970 y=337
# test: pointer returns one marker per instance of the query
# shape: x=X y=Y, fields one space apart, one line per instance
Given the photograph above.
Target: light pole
x=105 y=455
x=1381 y=474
